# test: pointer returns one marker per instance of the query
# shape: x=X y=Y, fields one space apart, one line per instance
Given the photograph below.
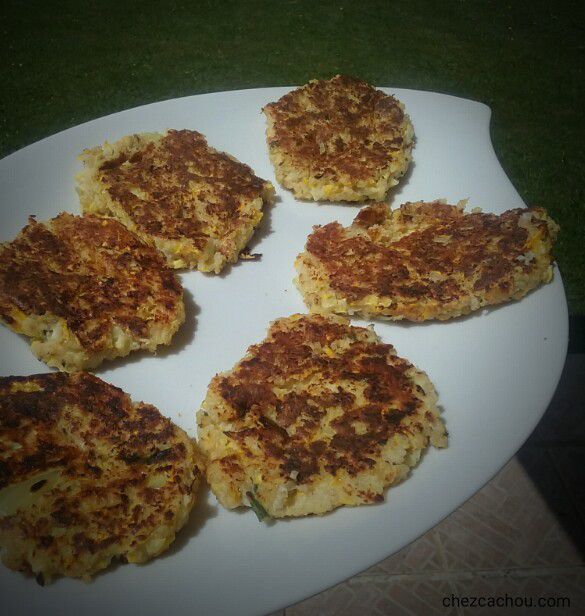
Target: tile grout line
x=445 y=567
x=441 y=550
x=466 y=574
x=452 y=576
x=481 y=523
x=454 y=592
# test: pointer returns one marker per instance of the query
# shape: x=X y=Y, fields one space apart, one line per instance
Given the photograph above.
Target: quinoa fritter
x=86 y=289
x=198 y=206
x=338 y=140
x=425 y=261
x=87 y=476
x=318 y=415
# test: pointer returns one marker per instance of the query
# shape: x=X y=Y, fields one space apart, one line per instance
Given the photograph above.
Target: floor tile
x=398 y=596
x=513 y=523
x=519 y=591
x=522 y=535
x=423 y=555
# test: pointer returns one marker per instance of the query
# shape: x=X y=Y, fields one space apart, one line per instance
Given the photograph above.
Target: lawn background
x=68 y=62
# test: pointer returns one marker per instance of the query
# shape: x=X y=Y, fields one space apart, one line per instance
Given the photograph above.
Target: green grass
x=68 y=62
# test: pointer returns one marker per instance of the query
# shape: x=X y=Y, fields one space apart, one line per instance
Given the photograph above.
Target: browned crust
x=339 y=127
x=106 y=448
x=427 y=260
x=170 y=175
x=287 y=430
x=91 y=272
x=135 y=434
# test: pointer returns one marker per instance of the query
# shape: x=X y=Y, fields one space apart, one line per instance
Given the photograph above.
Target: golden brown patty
x=86 y=476
x=318 y=415
x=425 y=261
x=85 y=289
x=196 y=205
x=338 y=140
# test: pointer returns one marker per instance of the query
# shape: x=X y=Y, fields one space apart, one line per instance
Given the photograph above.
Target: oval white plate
x=495 y=373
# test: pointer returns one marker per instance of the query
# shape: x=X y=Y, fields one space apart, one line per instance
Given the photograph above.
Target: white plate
x=495 y=373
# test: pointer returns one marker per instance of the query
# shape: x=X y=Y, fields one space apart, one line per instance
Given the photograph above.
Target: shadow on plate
x=200 y=514
x=263 y=230
x=202 y=511
x=183 y=338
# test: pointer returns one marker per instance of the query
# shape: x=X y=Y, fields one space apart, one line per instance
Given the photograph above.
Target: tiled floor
x=522 y=535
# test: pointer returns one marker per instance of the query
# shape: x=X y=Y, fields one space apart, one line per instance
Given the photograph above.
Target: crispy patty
x=86 y=289
x=198 y=206
x=318 y=415
x=87 y=476
x=338 y=140
x=425 y=261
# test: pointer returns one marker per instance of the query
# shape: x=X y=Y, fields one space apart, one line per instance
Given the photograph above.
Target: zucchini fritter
x=198 y=206
x=425 y=261
x=338 y=140
x=318 y=415
x=87 y=476
x=86 y=289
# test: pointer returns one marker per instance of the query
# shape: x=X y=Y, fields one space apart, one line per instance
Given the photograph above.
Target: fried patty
x=198 y=206
x=87 y=476
x=86 y=289
x=318 y=415
x=425 y=261
x=338 y=140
